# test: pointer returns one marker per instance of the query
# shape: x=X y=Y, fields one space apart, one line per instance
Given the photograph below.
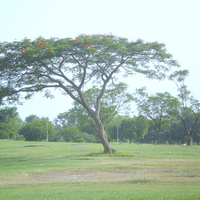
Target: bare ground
x=98 y=176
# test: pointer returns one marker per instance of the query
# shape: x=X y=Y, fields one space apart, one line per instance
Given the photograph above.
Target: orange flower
x=66 y=45
x=76 y=40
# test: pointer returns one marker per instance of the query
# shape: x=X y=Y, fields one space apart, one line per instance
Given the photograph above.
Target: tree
x=10 y=122
x=31 y=118
x=188 y=109
x=69 y=133
x=36 y=130
x=73 y=65
x=160 y=108
x=134 y=128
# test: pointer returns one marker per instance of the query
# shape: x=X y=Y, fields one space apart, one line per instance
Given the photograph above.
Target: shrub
x=80 y=140
x=18 y=137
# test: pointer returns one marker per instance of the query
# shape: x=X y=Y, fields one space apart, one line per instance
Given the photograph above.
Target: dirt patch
x=150 y=174
x=96 y=175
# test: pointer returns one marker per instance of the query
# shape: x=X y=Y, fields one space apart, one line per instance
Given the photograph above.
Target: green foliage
x=10 y=122
x=18 y=137
x=37 y=130
x=31 y=118
x=135 y=128
x=80 y=140
x=160 y=108
x=188 y=108
x=90 y=57
x=69 y=133
x=4 y=130
x=87 y=137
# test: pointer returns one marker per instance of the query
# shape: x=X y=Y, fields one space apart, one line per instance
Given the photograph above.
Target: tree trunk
x=158 y=138
x=103 y=137
x=189 y=140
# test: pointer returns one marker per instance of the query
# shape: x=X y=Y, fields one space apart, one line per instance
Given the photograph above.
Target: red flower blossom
x=76 y=40
x=29 y=77
x=35 y=72
x=29 y=55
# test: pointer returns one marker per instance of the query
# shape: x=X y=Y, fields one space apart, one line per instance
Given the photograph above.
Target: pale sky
x=173 y=22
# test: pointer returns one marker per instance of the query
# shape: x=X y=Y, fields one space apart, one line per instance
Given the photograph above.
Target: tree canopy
x=160 y=108
x=73 y=65
x=188 y=108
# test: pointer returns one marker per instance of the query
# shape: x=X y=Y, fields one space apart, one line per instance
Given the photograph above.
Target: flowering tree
x=73 y=65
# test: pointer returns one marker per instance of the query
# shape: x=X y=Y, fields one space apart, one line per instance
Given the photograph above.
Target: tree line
x=74 y=126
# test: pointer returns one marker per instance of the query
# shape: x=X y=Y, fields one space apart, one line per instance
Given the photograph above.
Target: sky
x=173 y=22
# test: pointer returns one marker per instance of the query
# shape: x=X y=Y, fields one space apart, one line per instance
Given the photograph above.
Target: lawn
x=41 y=170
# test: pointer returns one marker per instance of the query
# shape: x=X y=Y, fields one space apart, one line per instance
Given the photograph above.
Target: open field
x=40 y=170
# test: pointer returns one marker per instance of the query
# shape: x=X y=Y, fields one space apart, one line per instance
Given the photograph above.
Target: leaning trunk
x=103 y=137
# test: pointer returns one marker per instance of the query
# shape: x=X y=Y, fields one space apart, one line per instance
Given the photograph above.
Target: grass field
x=40 y=170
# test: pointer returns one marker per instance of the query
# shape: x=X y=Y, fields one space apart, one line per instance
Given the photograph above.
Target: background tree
x=36 y=130
x=73 y=65
x=188 y=109
x=31 y=118
x=160 y=108
x=69 y=133
x=10 y=122
x=134 y=128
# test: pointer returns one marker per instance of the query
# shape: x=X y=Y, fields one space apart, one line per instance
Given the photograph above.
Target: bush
x=18 y=137
x=80 y=140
